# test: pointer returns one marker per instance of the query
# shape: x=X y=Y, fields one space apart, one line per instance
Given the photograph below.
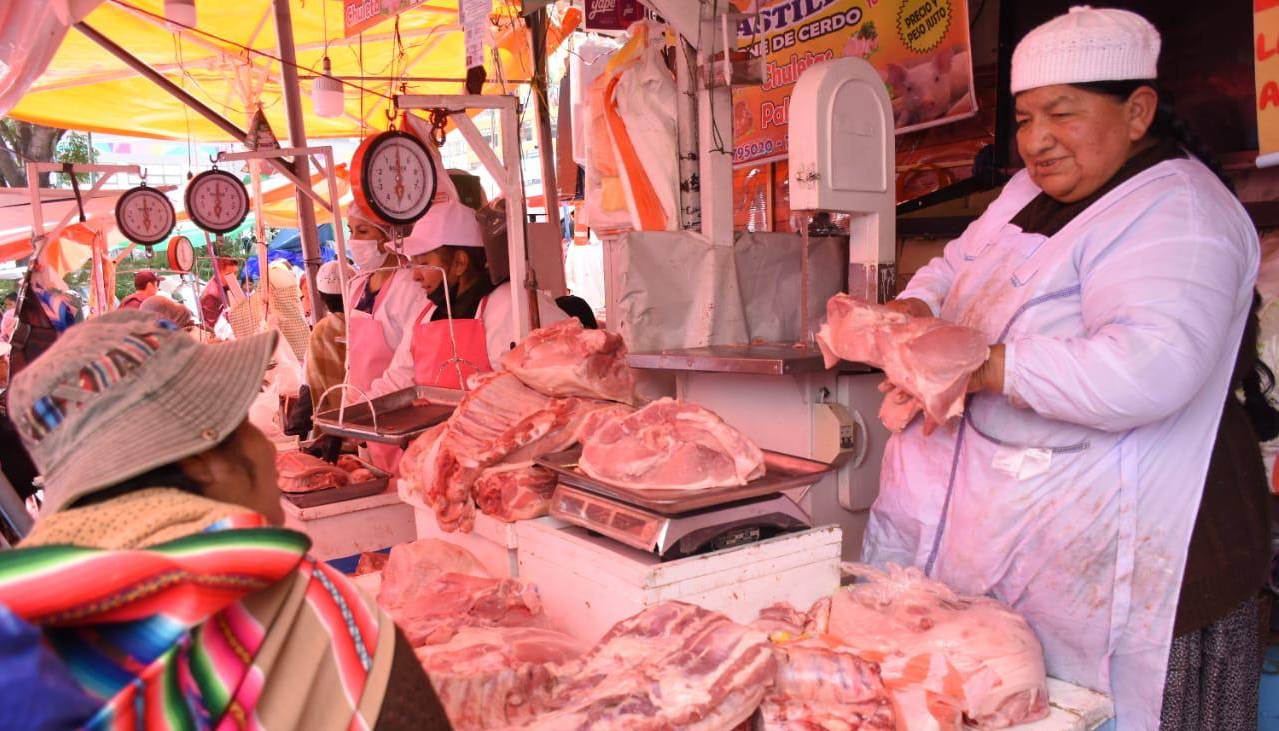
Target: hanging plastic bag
x=643 y=125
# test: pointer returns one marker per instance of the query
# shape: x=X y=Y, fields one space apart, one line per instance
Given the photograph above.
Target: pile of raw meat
x=300 y=472
x=926 y=359
x=897 y=651
x=486 y=646
x=902 y=650
x=559 y=383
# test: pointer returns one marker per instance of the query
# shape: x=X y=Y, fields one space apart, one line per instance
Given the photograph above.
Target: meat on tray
x=671 y=666
x=496 y=677
x=370 y=562
x=566 y=359
x=515 y=492
x=350 y=463
x=300 y=472
x=670 y=445
x=499 y=421
x=927 y=357
x=945 y=658
x=413 y=565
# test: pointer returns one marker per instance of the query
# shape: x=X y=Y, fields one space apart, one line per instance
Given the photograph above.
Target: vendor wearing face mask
x=384 y=301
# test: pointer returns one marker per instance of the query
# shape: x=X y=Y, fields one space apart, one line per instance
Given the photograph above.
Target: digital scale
x=678 y=523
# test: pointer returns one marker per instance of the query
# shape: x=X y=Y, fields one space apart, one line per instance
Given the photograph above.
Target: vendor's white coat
x=1122 y=333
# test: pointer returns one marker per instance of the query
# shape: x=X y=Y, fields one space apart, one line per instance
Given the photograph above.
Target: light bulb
x=180 y=12
x=326 y=93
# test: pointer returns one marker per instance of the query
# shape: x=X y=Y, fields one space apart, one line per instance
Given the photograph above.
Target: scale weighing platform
x=677 y=523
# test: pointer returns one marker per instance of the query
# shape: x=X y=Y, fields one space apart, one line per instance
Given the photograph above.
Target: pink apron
x=370 y=356
x=432 y=355
x=433 y=349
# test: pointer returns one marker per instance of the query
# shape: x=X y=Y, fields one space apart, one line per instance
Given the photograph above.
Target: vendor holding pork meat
x=1114 y=278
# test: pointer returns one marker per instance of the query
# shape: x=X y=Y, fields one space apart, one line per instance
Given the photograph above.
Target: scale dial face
x=217 y=201
x=181 y=254
x=144 y=215
x=396 y=177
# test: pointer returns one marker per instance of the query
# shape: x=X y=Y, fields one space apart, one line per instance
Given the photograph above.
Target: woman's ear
x=461 y=262
x=199 y=468
x=1141 y=107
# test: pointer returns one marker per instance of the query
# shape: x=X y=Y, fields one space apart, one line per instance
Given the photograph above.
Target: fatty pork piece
x=514 y=492
x=820 y=684
x=412 y=566
x=434 y=612
x=672 y=666
x=566 y=359
x=300 y=472
x=945 y=658
x=929 y=358
x=670 y=445
x=494 y=677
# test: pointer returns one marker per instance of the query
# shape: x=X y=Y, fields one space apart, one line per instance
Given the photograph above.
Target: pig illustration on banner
x=933 y=87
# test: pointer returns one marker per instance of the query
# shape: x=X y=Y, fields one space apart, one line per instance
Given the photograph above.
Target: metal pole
x=550 y=192
x=180 y=94
x=297 y=136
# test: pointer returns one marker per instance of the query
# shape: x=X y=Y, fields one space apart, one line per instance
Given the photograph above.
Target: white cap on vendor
x=1086 y=45
x=328 y=279
x=447 y=223
x=355 y=213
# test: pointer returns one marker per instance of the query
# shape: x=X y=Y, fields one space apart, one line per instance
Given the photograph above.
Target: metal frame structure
x=510 y=178
x=325 y=155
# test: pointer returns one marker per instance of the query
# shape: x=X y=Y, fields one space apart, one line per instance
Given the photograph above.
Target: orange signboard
x=360 y=15
x=920 y=47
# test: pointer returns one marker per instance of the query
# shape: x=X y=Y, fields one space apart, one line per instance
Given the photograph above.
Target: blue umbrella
x=287 y=245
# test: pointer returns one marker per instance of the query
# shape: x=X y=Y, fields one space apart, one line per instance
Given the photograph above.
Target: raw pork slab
x=671 y=445
x=945 y=658
x=929 y=358
x=300 y=472
x=566 y=359
x=672 y=666
x=515 y=492
x=494 y=677
x=436 y=611
x=412 y=566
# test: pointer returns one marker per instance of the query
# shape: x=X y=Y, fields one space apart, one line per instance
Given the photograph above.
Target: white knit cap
x=327 y=279
x=447 y=223
x=1086 y=44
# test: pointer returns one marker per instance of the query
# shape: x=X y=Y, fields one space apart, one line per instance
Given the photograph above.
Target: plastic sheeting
x=30 y=34
x=676 y=290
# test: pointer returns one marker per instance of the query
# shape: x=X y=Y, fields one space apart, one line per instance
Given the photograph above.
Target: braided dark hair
x=1167 y=123
x=1251 y=376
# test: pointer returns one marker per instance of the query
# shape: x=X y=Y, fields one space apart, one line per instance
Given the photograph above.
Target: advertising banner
x=1265 y=23
x=612 y=15
x=920 y=48
x=359 y=15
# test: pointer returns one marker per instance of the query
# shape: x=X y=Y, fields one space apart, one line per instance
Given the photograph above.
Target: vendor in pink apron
x=1113 y=278
x=448 y=341
x=384 y=300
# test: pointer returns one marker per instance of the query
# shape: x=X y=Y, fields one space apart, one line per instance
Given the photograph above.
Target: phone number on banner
x=757 y=150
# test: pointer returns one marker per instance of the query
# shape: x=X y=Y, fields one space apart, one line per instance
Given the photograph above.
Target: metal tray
x=781 y=472
x=339 y=494
x=391 y=419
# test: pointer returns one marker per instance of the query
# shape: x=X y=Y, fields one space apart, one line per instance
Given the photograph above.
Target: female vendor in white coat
x=384 y=300
x=1113 y=276
x=446 y=248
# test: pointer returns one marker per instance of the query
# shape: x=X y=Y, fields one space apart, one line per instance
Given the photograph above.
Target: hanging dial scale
x=144 y=215
x=217 y=201
x=394 y=177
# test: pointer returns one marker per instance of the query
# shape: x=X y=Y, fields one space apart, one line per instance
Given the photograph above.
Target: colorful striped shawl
x=189 y=634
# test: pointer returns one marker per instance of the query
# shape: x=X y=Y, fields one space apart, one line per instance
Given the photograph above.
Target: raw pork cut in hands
x=566 y=359
x=515 y=492
x=927 y=357
x=672 y=666
x=945 y=658
x=300 y=472
x=496 y=677
x=669 y=445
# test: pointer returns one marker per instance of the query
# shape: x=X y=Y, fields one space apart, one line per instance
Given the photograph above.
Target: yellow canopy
x=86 y=88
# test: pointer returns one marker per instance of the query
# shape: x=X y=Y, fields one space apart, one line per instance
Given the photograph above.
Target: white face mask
x=366 y=254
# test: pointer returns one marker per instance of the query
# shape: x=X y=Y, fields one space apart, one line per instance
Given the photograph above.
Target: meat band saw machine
x=823 y=453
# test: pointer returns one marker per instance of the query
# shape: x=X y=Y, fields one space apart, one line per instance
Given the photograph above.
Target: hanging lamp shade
x=180 y=12
x=326 y=94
